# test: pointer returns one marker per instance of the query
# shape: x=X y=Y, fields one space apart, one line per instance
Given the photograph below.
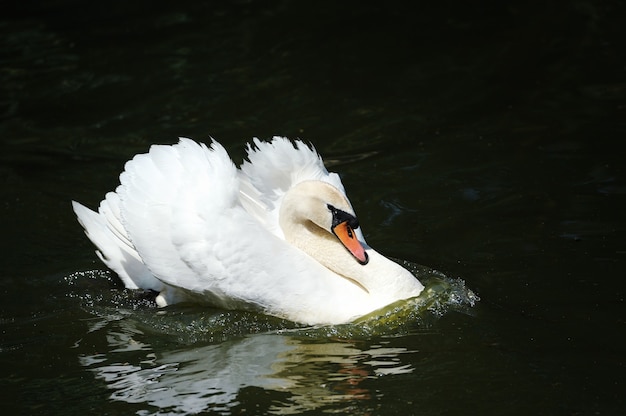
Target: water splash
x=101 y=294
x=441 y=294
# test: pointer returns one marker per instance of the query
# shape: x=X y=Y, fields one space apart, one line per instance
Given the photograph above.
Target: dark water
x=483 y=140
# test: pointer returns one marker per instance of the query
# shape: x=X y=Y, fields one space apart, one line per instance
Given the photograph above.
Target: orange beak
x=346 y=235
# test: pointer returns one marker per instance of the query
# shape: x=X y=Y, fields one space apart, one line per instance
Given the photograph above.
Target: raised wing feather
x=272 y=169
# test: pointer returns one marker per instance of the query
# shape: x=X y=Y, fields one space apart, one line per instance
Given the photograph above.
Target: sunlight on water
x=188 y=359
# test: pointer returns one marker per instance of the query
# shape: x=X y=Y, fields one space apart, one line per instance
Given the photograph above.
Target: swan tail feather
x=115 y=250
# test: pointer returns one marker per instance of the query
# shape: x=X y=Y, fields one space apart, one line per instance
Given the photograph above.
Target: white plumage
x=278 y=235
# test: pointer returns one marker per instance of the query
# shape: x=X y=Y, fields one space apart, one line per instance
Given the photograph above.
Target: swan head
x=317 y=217
x=343 y=227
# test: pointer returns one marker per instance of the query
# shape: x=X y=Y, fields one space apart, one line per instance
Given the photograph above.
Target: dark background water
x=485 y=140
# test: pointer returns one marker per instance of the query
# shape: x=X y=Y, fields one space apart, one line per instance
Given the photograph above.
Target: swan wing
x=180 y=207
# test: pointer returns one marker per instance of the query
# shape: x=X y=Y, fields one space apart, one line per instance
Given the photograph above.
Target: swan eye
x=340 y=216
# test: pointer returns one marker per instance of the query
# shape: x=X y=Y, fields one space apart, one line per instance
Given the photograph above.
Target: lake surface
x=482 y=141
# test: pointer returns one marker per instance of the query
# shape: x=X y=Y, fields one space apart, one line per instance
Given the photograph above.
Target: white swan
x=277 y=235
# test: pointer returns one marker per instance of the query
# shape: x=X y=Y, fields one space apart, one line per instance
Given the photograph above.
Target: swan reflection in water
x=310 y=373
